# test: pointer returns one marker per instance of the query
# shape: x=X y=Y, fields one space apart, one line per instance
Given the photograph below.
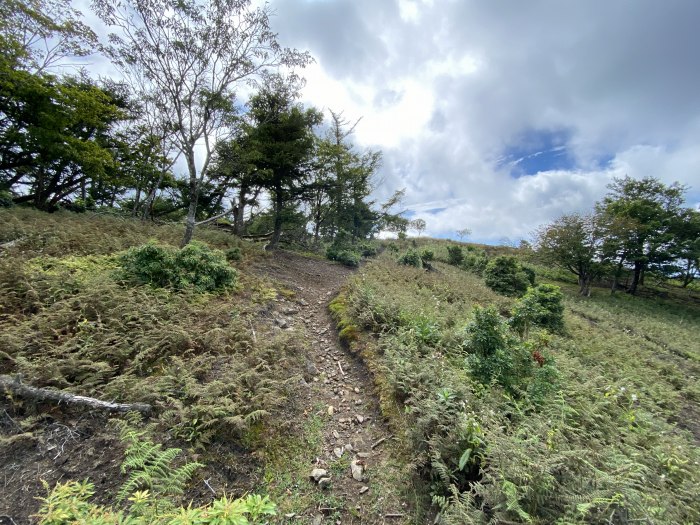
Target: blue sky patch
x=538 y=150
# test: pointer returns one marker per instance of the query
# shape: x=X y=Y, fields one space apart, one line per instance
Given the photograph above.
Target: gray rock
x=357 y=469
x=324 y=483
x=318 y=473
x=364 y=489
x=336 y=434
x=311 y=368
x=348 y=447
x=338 y=451
x=359 y=419
x=318 y=519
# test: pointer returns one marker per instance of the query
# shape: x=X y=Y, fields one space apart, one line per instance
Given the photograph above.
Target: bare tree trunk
x=193 y=196
x=277 y=232
x=638 y=269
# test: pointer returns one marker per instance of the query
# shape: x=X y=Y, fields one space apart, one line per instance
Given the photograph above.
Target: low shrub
x=5 y=199
x=196 y=266
x=427 y=256
x=505 y=275
x=234 y=254
x=455 y=255
x=540 y=306
x=410 y=258
x=367 y=249
x=343 y=254
x=475 y=263
x=495 y=355
x=348 y=258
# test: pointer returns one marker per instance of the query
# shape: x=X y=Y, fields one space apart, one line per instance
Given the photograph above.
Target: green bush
x=455 y=255
x=427 y=256
x=195 y=265
x=505 y=275
x=367 y=249
x=475 y=263
x=410 y=258
x=540 y=306
x=494 y=355
x=5 y=199
x=348 y=258
x=234 y=254
x=343 y=254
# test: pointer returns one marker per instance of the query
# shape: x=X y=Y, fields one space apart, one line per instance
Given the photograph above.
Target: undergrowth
x=211 y=369
x=546 y=409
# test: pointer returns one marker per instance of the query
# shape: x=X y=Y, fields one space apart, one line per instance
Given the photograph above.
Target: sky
x=500 y=116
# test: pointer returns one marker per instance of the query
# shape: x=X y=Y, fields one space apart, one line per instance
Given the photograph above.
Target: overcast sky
x=502 y=115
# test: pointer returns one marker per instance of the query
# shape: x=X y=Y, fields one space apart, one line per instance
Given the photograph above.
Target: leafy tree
x=39 y=34
x=345 y=176
x=637 y=218
x=55 y=135
x=234 y=168
x=281 y=135
x=573 y=243
x=190 y=63
x=686 y=246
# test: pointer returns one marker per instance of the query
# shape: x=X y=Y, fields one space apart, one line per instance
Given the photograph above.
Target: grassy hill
x=597 y=422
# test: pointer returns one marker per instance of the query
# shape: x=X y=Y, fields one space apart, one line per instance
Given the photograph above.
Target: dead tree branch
x=16 y=387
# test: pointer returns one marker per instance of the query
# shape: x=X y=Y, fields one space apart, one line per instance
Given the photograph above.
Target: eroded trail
x=361 y=479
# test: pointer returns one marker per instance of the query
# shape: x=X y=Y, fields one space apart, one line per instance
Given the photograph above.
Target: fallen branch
x=379 y=442
x=16 y=387
x=341 y=368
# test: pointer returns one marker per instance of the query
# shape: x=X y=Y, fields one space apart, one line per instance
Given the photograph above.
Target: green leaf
x=465 y=458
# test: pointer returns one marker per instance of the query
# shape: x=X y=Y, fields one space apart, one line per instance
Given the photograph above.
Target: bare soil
x=341 y=391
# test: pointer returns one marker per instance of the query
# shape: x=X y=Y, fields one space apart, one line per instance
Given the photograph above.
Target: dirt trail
x=355 y=431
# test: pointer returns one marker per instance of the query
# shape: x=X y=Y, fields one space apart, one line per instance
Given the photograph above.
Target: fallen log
x=15 y=386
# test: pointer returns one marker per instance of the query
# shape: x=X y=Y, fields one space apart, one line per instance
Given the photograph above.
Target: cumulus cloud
x=448 y=90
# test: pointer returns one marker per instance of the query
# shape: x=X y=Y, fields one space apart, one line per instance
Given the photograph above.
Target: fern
x=150 y=466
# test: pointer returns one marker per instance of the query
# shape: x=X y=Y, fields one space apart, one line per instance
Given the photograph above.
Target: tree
x=281 y=135
x=418 y=225
x=55 y=136
x=188 y=57
x=234 y=167
x=686 y=246
x=346 y=175
x=636 y=220
x=37 y=35
x=464 y=232
x=572 y=242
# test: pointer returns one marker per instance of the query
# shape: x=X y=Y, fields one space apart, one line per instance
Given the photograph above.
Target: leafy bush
x=5 y=199
x=475 y=263
x=234 y=254
x=195 y=266
x=494 y=354
x=410 y=258
x=427 y=256
x=367 y=249
x=505 y=275
x=541 y=306
x=455 y=255
x=344 y=255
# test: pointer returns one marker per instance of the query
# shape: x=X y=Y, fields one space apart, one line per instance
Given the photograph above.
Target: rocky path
x=354 y=467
